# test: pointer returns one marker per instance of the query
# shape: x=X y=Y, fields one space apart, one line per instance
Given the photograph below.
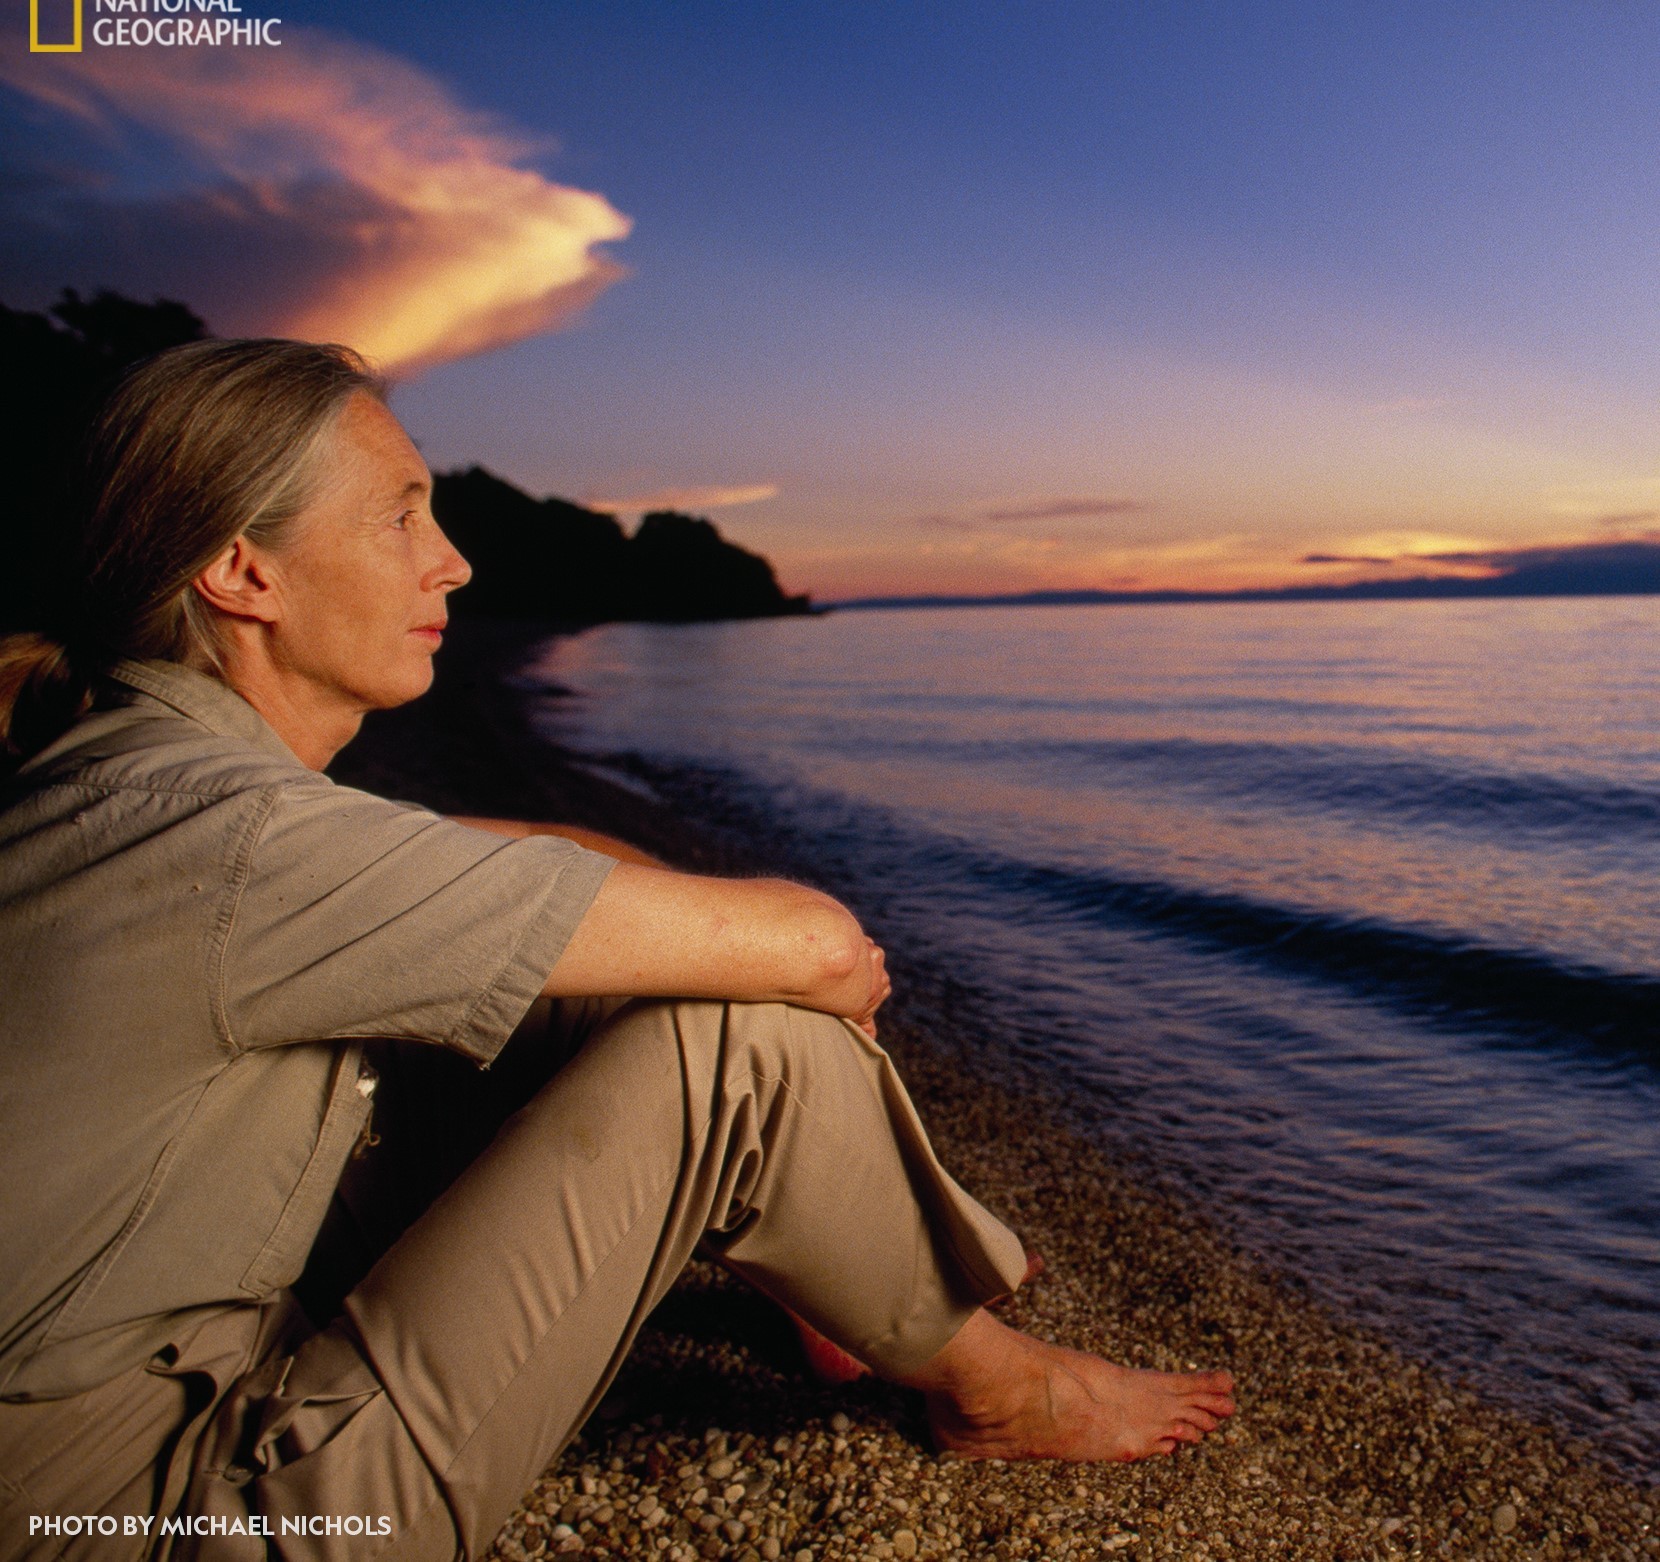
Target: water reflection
x=1358 y=897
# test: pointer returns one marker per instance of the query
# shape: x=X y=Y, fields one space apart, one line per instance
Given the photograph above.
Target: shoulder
x=143 y=779
x=134 y=748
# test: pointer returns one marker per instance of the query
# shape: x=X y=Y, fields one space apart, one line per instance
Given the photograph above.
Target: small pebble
x=839 y=1422
x=904 y=1543
x=1504 y=1518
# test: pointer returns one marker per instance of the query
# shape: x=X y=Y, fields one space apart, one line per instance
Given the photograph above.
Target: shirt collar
x=215 y=705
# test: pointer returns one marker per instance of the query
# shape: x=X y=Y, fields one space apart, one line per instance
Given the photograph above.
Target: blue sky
x=989 y=297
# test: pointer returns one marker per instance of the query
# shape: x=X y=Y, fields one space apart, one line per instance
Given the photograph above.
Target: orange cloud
x=1072 y=509
x=334 y=192
x=714 y=497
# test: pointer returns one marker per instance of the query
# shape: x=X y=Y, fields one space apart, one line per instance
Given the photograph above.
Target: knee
x=725 y=1045
x=818 y=1058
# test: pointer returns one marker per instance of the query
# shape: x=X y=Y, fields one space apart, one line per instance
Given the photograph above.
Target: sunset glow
x=1093 y=299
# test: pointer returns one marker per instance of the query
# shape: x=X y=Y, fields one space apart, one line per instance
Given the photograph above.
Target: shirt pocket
x=279 y=1262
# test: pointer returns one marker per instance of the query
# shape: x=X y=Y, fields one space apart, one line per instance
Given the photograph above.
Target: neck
x=314 y=726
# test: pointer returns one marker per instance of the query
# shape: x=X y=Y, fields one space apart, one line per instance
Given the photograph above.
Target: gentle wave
x=1352 y=782
x=1450 y=980
x=1436 y=976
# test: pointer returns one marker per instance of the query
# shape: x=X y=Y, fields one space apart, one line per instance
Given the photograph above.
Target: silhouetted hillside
x=685 y=569
x=551 y=559
x=532 y=558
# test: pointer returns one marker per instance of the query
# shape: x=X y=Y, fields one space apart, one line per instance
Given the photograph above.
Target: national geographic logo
x=57 y=15
x=55 y=26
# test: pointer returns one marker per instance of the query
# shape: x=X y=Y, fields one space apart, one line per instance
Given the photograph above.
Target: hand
x=880 y=988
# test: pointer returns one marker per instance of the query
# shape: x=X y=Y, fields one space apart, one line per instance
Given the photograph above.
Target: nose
x=451 y=572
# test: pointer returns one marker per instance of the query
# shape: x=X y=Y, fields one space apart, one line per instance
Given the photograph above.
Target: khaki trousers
x=477 y=1346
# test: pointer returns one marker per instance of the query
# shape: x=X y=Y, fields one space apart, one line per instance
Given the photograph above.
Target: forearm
x=652 y=933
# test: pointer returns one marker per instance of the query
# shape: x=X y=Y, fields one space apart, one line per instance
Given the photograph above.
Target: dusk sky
x=909 y=297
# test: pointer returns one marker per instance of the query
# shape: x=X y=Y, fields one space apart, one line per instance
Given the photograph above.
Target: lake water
x=1348 y=911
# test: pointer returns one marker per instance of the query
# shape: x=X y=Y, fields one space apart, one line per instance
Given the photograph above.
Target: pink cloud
x=331 y=191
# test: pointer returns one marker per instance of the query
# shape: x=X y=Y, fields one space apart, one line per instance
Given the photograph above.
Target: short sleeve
x=354 y=916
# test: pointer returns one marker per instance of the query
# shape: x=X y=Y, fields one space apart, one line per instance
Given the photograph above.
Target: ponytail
x=43 y=691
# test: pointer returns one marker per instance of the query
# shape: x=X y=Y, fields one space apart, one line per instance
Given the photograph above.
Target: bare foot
x=996 y=1394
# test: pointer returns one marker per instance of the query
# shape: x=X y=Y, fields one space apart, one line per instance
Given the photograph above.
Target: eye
x=406 y=520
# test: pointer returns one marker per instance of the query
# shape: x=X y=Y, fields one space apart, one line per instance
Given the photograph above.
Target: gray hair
x=196 y=447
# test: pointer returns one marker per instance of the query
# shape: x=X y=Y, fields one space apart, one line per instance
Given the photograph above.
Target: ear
x=241 y=583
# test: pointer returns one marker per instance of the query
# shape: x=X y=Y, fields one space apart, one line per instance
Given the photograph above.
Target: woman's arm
x=652 y=933
x=655 y=933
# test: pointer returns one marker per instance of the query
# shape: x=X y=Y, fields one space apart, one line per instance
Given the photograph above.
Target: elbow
x=841 y=956
x=833 y=949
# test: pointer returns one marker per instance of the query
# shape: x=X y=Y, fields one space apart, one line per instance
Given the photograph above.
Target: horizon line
x=1423 y=588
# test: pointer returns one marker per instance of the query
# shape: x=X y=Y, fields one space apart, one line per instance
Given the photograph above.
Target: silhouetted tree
x=60 y=365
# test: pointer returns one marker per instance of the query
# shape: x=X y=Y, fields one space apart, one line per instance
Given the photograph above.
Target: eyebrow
x=410 y=490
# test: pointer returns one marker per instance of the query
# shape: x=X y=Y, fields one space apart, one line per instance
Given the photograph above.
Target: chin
x=419 y=682
x=410 y=685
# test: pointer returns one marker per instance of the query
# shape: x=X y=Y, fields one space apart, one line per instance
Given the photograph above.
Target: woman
x=201 y=933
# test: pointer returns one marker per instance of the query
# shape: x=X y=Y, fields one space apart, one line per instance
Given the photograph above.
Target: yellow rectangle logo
x=37 y=47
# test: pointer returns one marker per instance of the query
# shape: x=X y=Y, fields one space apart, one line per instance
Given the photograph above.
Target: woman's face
x=364 y=570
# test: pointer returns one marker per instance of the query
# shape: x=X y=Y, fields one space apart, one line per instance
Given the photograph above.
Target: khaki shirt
x=196 y=931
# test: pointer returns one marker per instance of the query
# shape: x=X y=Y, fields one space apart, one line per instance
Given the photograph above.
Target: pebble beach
x=715 y=1442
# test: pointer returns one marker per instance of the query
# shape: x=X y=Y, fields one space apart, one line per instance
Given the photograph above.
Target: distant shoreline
x=1421 y=590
